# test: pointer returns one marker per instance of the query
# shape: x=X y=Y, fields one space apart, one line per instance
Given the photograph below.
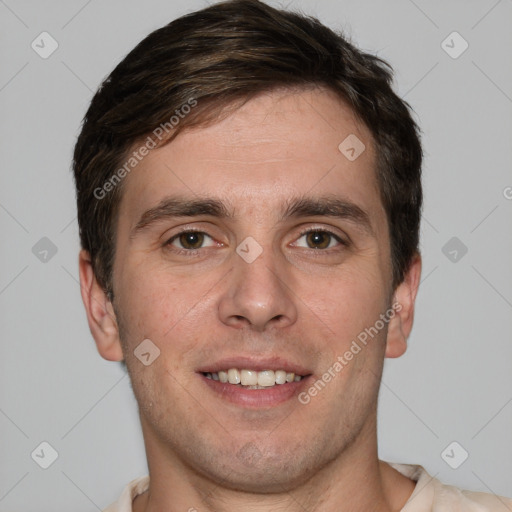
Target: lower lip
x=256 y=398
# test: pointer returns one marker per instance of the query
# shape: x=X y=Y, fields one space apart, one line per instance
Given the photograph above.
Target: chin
x=266 y=469
x=265 y=477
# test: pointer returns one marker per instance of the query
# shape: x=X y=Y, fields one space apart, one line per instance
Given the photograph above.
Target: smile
x=251 y=379
x=255 y=383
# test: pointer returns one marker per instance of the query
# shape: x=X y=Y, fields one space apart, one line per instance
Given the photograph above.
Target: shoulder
x=133 y=489
x=431 y=495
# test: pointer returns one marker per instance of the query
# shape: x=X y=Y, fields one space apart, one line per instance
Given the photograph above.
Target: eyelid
x=184 y=228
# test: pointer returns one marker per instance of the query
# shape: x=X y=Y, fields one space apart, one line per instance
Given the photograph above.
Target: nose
x=258 y=295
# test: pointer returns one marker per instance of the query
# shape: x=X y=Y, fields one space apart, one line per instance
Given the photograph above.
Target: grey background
x=455 y=381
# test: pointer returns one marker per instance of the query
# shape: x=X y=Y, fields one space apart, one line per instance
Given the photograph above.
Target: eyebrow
x=327 y=206
x=182 y=207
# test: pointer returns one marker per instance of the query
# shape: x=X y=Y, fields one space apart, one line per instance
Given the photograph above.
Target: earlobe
x=100 y=313
x=404 y=299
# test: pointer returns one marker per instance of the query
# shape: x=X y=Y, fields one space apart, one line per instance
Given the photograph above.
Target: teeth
x=266 y=378
x=233 y=376
x=253 y=379
x=280 y=377
x=249 y=378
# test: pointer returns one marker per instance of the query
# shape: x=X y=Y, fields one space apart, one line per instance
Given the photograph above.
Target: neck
x=356 y=480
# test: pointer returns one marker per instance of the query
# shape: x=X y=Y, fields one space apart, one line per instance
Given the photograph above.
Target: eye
x=191 y=240
x=319 y=239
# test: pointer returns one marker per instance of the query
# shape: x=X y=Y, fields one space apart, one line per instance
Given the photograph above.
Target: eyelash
x=193 y=252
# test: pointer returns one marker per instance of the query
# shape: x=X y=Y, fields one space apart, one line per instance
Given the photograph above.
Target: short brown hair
x=221 y=57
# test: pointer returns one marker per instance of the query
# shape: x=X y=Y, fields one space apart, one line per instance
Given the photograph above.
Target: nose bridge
x=257 y=295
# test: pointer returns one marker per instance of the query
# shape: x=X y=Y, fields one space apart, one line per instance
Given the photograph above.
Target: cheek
x=346 y=302
x=156 y=304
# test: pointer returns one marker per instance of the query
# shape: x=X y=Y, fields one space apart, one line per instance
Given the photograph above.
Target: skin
x=296 y=301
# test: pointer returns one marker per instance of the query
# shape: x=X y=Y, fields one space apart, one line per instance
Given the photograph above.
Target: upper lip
x=257 y=364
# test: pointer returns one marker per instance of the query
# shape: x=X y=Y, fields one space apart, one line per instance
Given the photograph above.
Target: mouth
x=255 y=383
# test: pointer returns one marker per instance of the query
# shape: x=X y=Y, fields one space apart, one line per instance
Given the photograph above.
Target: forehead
x=278 y=144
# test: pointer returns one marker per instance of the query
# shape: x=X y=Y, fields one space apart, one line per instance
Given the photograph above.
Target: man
x=249 y=199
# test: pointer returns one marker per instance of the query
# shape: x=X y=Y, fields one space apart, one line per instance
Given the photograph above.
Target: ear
x=404 y=298
x=100 y=313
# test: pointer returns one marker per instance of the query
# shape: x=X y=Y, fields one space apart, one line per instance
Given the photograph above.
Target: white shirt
x=429 y=495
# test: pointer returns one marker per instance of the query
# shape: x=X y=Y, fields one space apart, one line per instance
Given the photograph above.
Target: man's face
x=250 y=289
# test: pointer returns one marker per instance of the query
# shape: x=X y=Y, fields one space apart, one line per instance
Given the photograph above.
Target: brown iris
x=191 y=240
x=318 y=239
